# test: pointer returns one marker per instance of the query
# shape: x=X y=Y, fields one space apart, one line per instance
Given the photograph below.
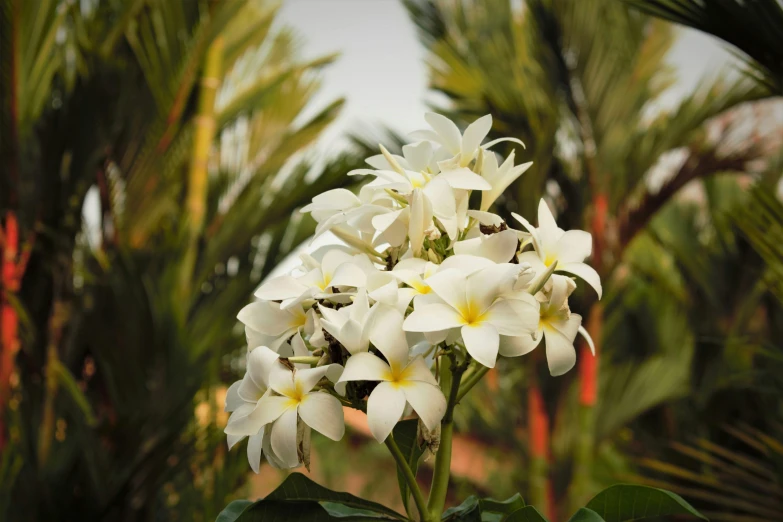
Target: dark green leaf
x=406 y=436
x=281 y=511
x=468 y=511
x=300 y=488
x=304 y=511
x=626 y=502
x=586 y=515
x=350 y=513
x=232 y=511
x=526 y=514
x=491 y=507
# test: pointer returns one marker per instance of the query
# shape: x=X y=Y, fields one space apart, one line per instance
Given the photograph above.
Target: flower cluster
x=420 y=275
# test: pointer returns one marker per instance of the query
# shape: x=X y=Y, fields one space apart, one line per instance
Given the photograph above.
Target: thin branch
x=633 y=219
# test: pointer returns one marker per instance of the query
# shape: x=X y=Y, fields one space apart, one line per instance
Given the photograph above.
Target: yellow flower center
x=471 y=314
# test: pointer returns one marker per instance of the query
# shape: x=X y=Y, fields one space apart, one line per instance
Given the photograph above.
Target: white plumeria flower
x=557 y=325
x=500 y=248
x=464 y=147
x=499 y=177
x=350 y=324
x=414 y=272
x=336 y=269
x=296 y=399
x=242 y=399
x=473 y=302
x=343 y=207
x=552 y=243
x=266 y=323
x=402 y=381
x=418 y=157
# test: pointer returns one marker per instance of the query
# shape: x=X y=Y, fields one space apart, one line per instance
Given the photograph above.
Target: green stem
x=307 y=359
x=451 y=375
x=410 y=478
x=471 y=381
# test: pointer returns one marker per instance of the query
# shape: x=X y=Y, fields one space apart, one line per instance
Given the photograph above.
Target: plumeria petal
x=586 y=272
x=451 y=286
x=500 y=247
x=427 y=401
x=519 y=345
x=233 y=400
x=384 y=409
x=473 y=136
x=254 y=449
x=417 y=370
x=324 y=414
x=513 y=317
x=482 y=342
x=305 y=380
x=587 y=337
x=466 y=179
x=447 y=132
x=365 y=367
x=268 y=409
x=560 y=353
x=388 y=336
x=433 y=318
x=284 y=438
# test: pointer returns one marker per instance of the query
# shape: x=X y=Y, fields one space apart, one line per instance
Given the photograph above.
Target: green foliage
x=585 y=515
x=526 y=514
x=99 y=98
x=233 y=511
x=626 y=502
x=753 y=27
x=299 y=498
x=484 y=509
x=405 y=434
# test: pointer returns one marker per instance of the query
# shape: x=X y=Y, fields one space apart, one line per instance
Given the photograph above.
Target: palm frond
x=752 y=26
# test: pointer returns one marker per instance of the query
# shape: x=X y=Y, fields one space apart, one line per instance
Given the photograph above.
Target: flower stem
x=410 y=478
x=450 y=373
x=304 y=359
x=471 y=381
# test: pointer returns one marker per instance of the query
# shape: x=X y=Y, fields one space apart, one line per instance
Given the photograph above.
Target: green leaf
x=468 y=511
x=284 y=511
x=406 y=436
x=626 y=502
x=526 y=514
x=300 y=488
x=346 y=512
x=484 y=509
x=586 y=515
x=232 y=511
x=307 y=511
x=490 y=507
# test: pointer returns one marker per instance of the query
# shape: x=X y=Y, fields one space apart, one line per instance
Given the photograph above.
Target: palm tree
x=753 y=27
x=178 y=128
x=578 y=82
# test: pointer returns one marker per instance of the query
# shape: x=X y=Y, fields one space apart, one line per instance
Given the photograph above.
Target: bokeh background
x=153 y=157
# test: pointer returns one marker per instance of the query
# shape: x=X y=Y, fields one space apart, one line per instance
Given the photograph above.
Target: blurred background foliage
x=182 y=126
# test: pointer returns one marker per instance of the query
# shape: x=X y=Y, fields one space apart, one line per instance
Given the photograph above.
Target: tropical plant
x=752 y=26
x=581 y=84
x=428 y=292
x=176 y=129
